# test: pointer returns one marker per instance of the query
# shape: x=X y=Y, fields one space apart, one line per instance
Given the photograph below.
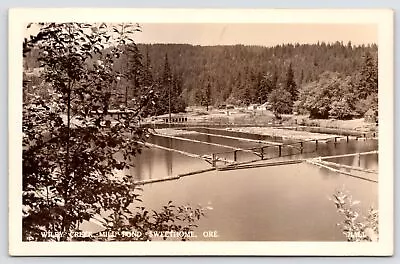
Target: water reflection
x=157 y=163
x=289 y=203
x=285 y=203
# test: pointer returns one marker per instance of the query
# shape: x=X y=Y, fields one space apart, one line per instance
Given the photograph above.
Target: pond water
x=282 y=203
x=332 y=131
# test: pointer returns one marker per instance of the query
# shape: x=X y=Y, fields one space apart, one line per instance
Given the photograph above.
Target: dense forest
x=75 y=157
x=322 y=79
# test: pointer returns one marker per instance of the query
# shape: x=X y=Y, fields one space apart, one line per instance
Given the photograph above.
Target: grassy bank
x=240 y=117
x=354 y=124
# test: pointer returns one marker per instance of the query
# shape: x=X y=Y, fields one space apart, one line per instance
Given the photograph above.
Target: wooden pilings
x=260 y=151
x=214 y=160
x=314 y=161
x=203 y=142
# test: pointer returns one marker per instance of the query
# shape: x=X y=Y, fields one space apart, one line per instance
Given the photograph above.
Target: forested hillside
x=288 y=76
x=231 y=70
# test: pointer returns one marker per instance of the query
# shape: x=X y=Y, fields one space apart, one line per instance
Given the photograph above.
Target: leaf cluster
x=352 y=227
x=74 y=154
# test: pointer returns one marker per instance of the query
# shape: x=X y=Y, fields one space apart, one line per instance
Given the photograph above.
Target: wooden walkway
x=260 y=165
x=212 y=159
x=318 y=161
x=177 y=177
x=314 y=162
x=241 y=139
x=349 y=155
x=261 y=152
x=203 y=142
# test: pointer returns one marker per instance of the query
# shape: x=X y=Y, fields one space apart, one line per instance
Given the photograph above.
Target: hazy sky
x=256 y=34
x=267 y=34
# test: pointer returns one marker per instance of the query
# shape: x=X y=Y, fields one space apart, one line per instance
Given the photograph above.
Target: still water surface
x=284 y=203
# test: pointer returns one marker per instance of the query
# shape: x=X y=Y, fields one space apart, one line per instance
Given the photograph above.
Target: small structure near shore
x=175 y=118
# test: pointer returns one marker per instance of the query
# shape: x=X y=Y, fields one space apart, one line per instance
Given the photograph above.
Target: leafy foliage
x=340 y=96
x=332 y=95
x=354 y=229
x=280 y=101
x=71 y=149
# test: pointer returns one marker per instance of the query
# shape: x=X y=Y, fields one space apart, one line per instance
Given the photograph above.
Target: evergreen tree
x=368 y=83
x=233 y=67
x=204 y=96
x=274 y=79
x=246 y=99
x=291 y=86
x=148 y=76
x=164 y=95
x=169 y=91
x=301 y=77
x=265 y=88
x=166 y=77
x=177 y=102
x=135 y=74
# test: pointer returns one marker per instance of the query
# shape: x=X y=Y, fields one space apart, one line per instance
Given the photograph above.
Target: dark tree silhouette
x=72 y=151
x=291 y=86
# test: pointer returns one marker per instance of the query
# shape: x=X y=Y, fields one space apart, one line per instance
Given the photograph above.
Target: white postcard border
x=19 y=18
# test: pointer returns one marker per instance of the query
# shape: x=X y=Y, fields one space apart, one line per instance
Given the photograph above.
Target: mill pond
x=286 y=202
x=88 y=92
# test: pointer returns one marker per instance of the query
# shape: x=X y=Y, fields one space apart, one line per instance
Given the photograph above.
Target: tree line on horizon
x=323 y=79
x=74 y=157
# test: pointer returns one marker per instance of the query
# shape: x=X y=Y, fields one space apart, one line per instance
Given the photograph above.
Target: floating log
x=349 y=155
x=206 y=143
x=156 y=180
x=171 y=149
x=247 y=165
x=196 y=172
x=251 y=166
x=213 y=158
x=144 y=182
x=340 y=171
x=348 y=167
x=203 y=157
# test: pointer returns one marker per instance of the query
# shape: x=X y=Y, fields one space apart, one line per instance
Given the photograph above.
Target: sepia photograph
x=201 y=132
